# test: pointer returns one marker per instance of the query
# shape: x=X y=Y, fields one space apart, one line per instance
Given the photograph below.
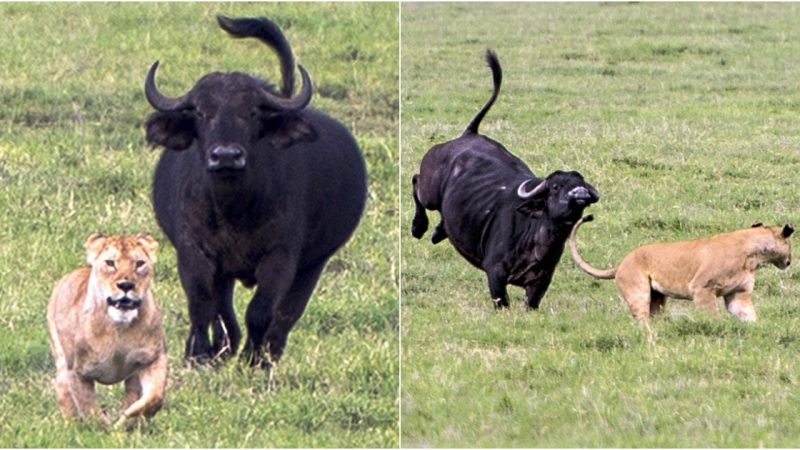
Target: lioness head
x=779 y=250
x=122 y=271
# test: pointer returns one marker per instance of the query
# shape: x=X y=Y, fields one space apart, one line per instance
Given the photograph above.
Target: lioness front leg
x=133 y=392
x=706 y=300
x=64 y=392
x=150 y=383
x=84 y=396
x=740 y=305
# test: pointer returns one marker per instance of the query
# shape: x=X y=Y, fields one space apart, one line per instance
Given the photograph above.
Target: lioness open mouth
x=124 y=303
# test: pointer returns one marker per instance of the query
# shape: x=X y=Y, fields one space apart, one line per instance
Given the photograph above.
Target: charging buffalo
x=496 y=213
x=253 y=186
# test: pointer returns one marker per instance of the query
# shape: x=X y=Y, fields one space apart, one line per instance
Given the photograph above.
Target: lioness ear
x=93 y=245
x=756 y=225
x=149 y=244
x=787 y=231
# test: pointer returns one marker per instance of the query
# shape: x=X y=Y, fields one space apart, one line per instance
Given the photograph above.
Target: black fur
x=272 y=223
x=473 y=181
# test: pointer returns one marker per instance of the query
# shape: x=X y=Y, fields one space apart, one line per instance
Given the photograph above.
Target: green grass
x=73 y=161
x=685 y=117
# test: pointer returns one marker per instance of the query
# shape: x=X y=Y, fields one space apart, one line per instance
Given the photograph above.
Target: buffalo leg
x=439 y=233
x=257 y=318
x=287 y=313
x=497 y=286
x=534 y=291
x=289 y=310
x=207 y=294
x=274 y=274
x=420 y=223
x=226 y=330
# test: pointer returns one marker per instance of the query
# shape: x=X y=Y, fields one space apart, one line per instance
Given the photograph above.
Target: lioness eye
x=110 y=263
x=139 y=264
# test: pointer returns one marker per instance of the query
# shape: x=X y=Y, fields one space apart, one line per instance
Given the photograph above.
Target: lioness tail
x=607 y=274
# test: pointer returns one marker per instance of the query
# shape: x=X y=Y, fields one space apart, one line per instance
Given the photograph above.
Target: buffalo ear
x=172 y=130
x=534 y=208
x=284 y=130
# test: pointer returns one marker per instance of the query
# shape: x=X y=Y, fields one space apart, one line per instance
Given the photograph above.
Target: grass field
x=685 y=117
x=73 y=161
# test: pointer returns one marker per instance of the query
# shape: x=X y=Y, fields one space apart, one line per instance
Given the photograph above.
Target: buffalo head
x=562 y=196
x=225 y=115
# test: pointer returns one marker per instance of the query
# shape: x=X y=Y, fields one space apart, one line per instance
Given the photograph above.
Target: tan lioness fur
x=723 y=265
x=105 y=326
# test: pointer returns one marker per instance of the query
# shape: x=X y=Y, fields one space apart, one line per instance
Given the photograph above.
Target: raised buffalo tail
x=497 y=78
x=269 y=33
x=607 y=274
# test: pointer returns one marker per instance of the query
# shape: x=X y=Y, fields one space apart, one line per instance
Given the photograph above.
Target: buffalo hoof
x=199 y=360
x=500 y=303
x=532 y=304
x=254 y=359
x=438 y=234
x=419 y=226
x=198 y=351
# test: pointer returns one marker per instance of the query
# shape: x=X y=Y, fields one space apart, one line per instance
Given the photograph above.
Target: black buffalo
x=252 y=186
x=495 y=212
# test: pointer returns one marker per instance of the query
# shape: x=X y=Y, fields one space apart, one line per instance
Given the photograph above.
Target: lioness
x=105 y=327
x=723 y=265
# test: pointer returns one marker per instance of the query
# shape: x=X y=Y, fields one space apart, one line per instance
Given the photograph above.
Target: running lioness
x=105 y=327
x=723 y=265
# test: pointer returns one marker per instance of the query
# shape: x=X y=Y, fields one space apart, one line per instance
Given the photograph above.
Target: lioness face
x=780 y=252
x=122 y=271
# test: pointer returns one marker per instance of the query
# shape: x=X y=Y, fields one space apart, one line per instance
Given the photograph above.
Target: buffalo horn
x=158 y=100
x=291 y=104
x=522 y=193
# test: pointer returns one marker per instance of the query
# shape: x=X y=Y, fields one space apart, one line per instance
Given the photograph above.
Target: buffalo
x=496 y=213
x=255 y=186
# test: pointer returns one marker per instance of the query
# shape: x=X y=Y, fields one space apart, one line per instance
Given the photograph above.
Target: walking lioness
x=105 y=327
x=723 y=265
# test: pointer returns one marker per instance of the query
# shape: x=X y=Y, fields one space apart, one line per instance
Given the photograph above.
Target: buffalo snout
x=582 y=196
x=227 y=157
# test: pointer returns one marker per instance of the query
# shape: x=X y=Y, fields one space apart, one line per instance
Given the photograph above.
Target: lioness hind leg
x=657 y=302
x=635 y=289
